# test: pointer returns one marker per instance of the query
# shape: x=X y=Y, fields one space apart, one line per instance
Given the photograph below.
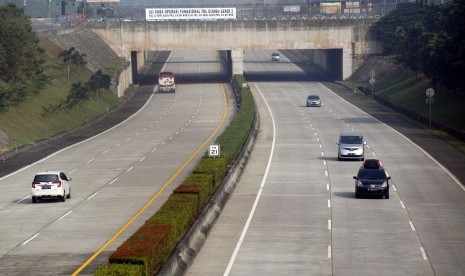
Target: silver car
x=351 y=146
x=313 y=100
x=275 y=57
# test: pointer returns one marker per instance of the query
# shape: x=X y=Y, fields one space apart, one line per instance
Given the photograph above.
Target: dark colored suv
x=372 y=179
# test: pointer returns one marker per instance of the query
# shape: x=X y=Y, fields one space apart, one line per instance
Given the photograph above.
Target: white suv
x=52 y=184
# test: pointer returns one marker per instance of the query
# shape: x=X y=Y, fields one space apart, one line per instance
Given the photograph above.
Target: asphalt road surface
x=115 y=174
x=294 y=212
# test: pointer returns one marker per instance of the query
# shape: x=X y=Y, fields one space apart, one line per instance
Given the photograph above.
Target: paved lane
x=294 y=211
x=114 y=175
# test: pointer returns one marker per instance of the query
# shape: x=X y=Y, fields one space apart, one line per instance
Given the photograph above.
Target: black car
x=372 y=179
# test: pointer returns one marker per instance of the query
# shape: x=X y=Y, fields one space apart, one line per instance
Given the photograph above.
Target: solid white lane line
x=30 y=239
x=164 y=142
x=423 y=252
x=129 y=169
x=412 y=226
x=63 y=216
x=73 y=170
x=94 y=194
x=90 y=160
x=257 y=198
x=154 y=149
x=401 y=203
x=113 y=181
x=142 y=159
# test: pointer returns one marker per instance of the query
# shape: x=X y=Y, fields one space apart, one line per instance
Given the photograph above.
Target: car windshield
x=275 y=54
x=371 y=174
x=313 y=97
x=351 y=140
x=46 y=177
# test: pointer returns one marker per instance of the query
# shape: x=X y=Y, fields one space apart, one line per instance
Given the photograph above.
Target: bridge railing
x=315 y=9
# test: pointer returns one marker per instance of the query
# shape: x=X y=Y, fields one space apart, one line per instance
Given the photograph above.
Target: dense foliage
x=22 y=61
x=428 y=39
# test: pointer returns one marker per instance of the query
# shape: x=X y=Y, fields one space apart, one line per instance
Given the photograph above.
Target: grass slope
x=25 y=124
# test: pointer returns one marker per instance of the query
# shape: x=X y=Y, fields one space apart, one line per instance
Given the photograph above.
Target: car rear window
x=372 y=174
x=351 y=139
x=46 y=177
x=313 y=97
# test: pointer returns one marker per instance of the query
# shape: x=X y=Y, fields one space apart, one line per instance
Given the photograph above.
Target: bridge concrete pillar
x=237 y=57
x=347 y=57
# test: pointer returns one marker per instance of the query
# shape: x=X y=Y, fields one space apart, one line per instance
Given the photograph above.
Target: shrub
x=119 y=270
x=179 y=211
x=199 y=184
x=216 y=167
x=146 y=248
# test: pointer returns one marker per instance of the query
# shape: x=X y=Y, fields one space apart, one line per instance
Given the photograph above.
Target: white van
x=351 y=146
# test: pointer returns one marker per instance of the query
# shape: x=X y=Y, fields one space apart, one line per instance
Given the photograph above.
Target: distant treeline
x=429 y=39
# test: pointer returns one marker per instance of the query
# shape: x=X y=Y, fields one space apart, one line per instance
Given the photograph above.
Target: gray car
x=313 y=100
x=351 y=146
x=275 y=57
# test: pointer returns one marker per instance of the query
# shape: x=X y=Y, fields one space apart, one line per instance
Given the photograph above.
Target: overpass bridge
x=334 y=45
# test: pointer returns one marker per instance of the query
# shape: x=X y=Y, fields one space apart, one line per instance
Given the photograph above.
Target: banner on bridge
x=190 y=14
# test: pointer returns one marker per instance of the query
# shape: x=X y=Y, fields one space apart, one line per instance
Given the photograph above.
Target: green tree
x=72 y=56
x=77 y=95
x=98 y=81
x=428 y=38
x=20 y=55
x=22 y=61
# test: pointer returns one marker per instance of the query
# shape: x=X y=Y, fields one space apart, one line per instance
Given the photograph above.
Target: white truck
x=166 y=82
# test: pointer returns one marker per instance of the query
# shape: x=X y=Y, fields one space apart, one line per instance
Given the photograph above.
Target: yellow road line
x=155 y=196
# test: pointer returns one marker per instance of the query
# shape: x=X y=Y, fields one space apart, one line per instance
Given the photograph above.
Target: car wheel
x=386 y=196
x=63 y=198
x=34 y=199
x=69 y=193
x=357 y=195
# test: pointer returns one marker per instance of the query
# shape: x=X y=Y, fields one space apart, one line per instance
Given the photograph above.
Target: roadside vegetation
x=425 y=47
x=44 y=90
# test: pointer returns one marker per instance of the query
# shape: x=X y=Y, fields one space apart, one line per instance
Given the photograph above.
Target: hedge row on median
x=145 y=252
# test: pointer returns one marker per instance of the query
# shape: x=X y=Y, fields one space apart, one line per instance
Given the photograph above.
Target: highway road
x=116 y=174
x=294 y=212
